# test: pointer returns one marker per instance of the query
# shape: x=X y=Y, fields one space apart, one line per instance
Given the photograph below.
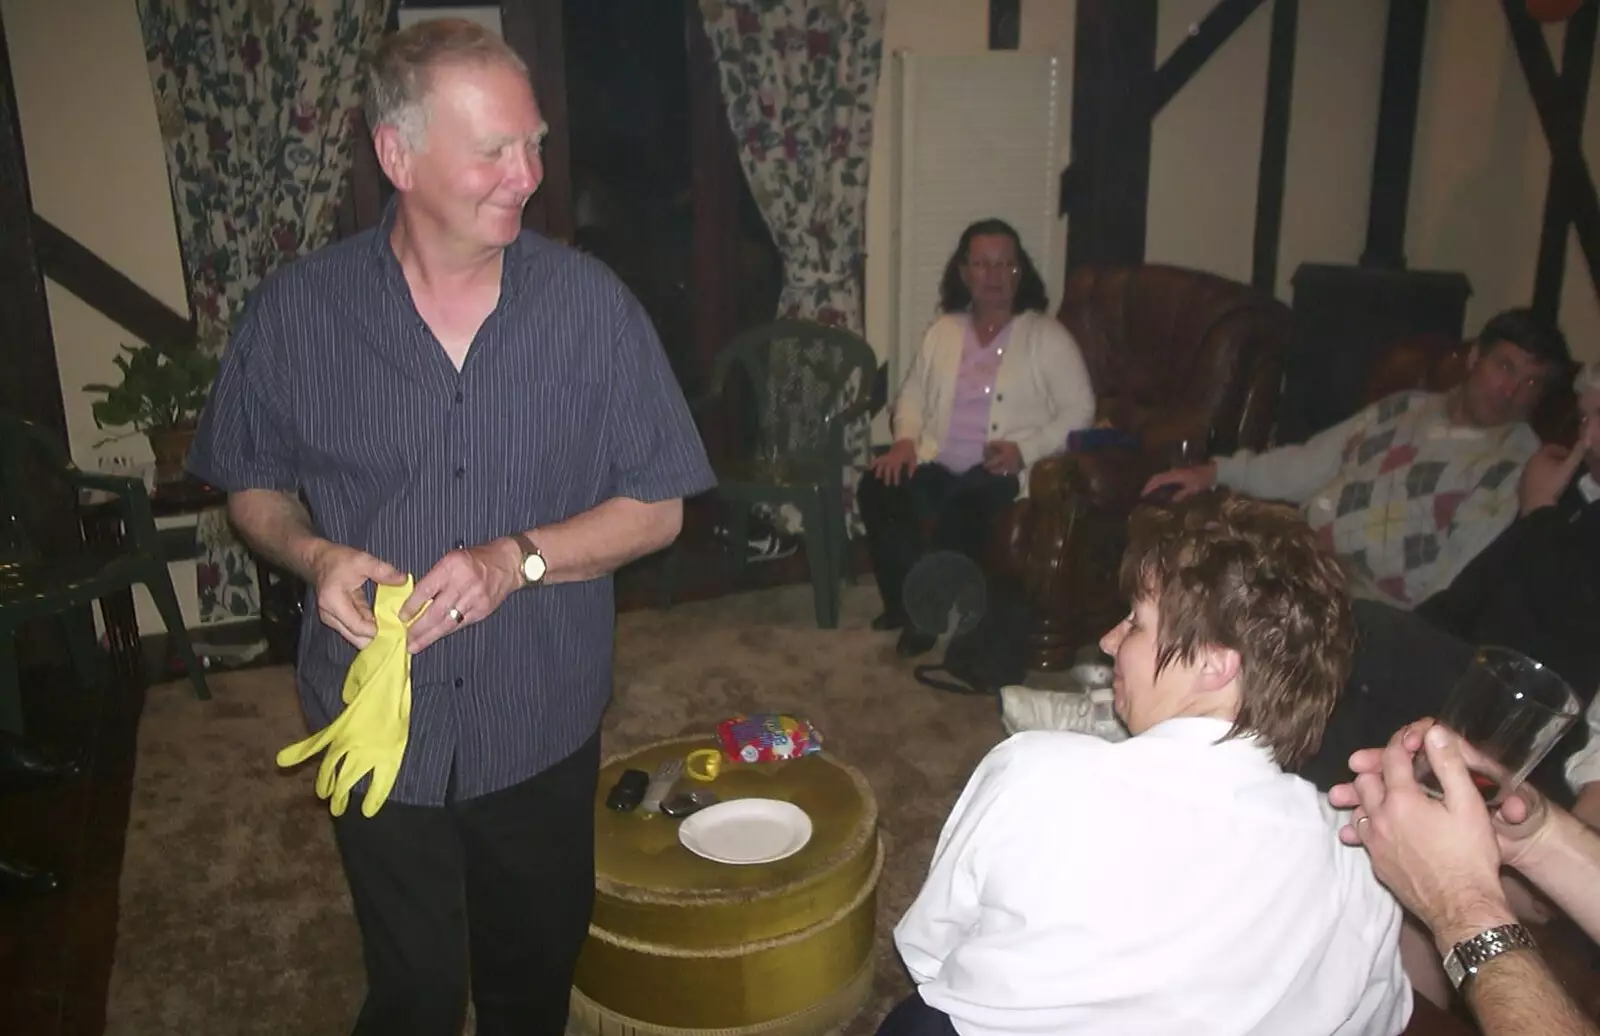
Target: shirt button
x=994 y=428
x=999 y=397
x=460 y=682
x=460 y=396
x=460 y=545
x=461 y=472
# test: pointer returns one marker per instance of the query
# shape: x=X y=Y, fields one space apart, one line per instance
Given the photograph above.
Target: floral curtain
x=256 y=101
x=799 y=78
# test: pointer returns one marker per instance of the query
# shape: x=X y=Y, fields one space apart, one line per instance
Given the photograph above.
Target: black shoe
x=889 y=621
x=23 y=879
x=19 y=760
x=912 y=643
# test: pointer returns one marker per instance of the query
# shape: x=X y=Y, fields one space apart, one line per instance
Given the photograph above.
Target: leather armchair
x=1174 y=354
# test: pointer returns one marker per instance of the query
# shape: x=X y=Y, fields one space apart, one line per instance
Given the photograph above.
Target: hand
x=1002 y=457
x=900 y=459
x=340 y=574
x=1188 y=481
x=1519 y=821
x=464 y=586
x=1546 y=474
x=1439 y=858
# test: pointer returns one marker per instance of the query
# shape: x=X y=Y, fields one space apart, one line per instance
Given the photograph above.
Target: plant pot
x=170 y=446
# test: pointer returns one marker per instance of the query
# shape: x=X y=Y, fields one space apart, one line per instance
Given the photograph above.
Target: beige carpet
x=234 y=915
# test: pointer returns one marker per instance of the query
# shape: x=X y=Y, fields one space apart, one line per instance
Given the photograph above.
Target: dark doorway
x=631 y=104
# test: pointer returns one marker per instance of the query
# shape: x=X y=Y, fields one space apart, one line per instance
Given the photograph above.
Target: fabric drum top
x=680 y=941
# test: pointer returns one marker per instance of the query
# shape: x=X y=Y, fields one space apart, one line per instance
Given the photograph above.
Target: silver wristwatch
x=532 y=566
x=1467 y=956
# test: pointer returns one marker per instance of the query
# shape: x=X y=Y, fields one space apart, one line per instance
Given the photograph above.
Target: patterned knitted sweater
x=1404 y=496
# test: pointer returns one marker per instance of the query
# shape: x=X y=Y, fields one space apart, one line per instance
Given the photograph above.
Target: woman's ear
x=1219 y=667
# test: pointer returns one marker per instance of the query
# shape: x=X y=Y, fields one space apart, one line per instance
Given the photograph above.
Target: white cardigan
x=1041 y=393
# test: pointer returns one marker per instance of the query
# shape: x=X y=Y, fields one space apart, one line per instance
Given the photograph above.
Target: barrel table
x=679 y=944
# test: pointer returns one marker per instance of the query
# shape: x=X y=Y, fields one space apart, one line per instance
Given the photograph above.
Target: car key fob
x=629 y=791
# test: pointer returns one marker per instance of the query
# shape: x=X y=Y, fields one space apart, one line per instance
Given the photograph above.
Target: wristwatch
x=1467 y=956
x=532 y=567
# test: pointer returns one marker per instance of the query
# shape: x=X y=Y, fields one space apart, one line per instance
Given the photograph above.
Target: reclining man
x=1410 y=489
x=1535 y=589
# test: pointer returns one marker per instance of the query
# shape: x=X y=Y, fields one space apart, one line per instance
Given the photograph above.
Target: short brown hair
x=399 y=75
x=1229 y=571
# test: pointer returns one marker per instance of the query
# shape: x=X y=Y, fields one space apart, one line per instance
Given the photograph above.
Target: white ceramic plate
x=746 y=831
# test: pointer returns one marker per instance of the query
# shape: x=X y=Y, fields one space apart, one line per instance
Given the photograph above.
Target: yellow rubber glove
x=370 y=735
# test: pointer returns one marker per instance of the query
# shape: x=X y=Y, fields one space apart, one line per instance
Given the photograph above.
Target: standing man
x=459 y=400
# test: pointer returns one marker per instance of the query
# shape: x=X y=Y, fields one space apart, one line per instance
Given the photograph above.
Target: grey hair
x=1587 y=378
x=398 y=77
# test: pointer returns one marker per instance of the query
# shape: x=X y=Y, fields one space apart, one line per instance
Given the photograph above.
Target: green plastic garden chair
x=808 y=382
x=33 y=586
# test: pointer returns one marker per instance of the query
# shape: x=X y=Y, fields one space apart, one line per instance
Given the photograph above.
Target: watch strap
x=1469 y=955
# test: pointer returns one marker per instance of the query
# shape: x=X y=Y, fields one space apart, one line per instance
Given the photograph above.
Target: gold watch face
x=533 y=567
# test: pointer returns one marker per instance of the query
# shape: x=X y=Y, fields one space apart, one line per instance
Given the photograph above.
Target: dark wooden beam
x=1577 y=62
x=1274 y=144
x=108 y=290
x=31 y=386
x=1113 y=60
x=534 y=30
x=1005 y=24
x=1563 y=130
x=1209 y=34
x=1397 y=132
x=1205 y=39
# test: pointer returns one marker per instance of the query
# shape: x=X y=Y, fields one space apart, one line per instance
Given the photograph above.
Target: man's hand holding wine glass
x=1441 y=857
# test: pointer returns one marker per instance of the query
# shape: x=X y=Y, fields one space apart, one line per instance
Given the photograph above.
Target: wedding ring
x=1362 y=820
x=455 y=613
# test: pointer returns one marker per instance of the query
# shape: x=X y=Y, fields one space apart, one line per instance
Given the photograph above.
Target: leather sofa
x=1174 y=355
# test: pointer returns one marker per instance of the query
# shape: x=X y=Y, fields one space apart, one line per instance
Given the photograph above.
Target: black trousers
x=961 y=507
x=496 y=889
x=1404 y=668
x=913 y=1017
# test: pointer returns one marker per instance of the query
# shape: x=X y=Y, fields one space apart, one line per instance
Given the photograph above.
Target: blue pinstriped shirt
x=332 y=385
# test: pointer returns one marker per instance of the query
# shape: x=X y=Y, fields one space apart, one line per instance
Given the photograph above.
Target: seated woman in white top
x=1178 y=881
x=997 y=384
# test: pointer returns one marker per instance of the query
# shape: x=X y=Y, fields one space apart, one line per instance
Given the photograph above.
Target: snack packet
x=767 y=736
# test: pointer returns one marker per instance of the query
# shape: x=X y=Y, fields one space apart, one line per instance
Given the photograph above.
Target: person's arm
x=1563 y=860
x=600 y=540
x=1456 y=604
x=1069 y=394
x=1441 y=858
x=276 y=525
x=1292 y=473
x=1516 y=994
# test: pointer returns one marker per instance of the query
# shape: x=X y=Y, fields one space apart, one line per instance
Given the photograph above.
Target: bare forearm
x=1515 y=994
x=277 y=526
x=1566 y=867
x=604 y=538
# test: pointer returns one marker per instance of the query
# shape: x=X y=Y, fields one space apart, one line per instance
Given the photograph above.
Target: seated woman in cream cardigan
x=997 y=385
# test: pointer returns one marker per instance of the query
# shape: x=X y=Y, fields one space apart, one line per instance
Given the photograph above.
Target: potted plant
x=161 y=394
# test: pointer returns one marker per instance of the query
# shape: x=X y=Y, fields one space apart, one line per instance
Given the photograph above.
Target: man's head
x=1586 y=385
x=456 y=129
x=1238 y=613
x=1515 y=358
